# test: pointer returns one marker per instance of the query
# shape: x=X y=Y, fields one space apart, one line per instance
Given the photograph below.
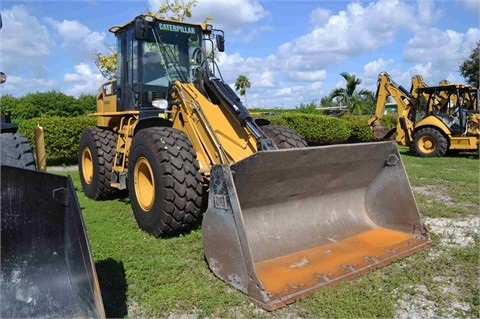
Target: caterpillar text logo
x=176 y=28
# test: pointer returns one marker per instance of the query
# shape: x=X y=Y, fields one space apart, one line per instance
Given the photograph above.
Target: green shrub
x=62 y=135
x=307 y=108
x=360 y=130
x=46 y=104
x=316 y=129
x=389 y=121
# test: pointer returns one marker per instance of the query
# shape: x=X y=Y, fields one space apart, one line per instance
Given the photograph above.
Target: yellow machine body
x=282 y=219
x=431 y=120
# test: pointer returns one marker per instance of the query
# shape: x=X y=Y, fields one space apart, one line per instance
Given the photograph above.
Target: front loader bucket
x=282 y=224
x=46 y=265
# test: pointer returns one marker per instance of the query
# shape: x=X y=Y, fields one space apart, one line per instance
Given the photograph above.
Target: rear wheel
x=95 y=161
x=283 y=136
x=164 y=182
x=16 y=151
x=429 y=142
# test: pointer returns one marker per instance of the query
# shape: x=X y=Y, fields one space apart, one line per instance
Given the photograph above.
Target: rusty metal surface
x=305 y=271
x=311 y=216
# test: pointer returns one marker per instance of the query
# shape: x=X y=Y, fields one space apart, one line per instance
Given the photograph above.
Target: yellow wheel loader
x=431 y=120
x=282 y=219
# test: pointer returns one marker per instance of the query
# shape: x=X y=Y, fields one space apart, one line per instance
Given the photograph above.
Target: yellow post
x=40 y=149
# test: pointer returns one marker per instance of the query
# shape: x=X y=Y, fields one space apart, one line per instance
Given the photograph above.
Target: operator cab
x=451 y=104
x=152 y=54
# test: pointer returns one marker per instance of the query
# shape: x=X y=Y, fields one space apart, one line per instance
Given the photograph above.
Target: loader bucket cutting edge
x=46 y=265
x=282 y=224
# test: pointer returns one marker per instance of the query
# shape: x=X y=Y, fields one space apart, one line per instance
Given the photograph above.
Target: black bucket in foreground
x=46 y=265
x=282 y=224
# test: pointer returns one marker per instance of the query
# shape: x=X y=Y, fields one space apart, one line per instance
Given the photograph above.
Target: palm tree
x=242 y=84
x=356 y=102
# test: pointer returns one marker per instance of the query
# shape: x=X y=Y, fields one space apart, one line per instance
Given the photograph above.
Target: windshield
x=167 y=53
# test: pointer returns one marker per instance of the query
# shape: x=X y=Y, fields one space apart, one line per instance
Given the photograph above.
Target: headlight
x=160 y=104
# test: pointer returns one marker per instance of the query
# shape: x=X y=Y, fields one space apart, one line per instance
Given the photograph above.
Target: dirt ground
x=418 y=306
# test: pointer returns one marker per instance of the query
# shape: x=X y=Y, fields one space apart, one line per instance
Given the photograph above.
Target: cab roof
x=117 y=28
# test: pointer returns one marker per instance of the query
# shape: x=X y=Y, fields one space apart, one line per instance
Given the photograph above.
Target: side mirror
x=220 y=43
x=141 y=28
x=3 y=77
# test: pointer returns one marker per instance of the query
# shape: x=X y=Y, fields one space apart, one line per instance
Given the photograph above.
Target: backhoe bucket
x=47 y=269
x=282 y=224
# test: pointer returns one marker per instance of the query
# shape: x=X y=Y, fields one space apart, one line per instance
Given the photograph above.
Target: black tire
x=96 y=152
x=283 y=136
x=16 y=151
x=429 y=142
x=164 y=182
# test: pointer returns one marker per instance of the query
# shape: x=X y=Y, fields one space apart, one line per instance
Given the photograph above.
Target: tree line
x=46 y=104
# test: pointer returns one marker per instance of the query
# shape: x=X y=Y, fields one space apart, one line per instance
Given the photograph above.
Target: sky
x=291 y=51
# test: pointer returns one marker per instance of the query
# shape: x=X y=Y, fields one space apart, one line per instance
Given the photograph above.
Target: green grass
x=156 y=277
x=452 y=184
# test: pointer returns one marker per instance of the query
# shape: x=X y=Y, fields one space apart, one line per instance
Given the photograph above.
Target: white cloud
x=377 y=66
x=28 y=48
x=314 y=75
x=85 y=79
x=372 y=69
x=286 y=91
x=444 y=48
x=267 y=79
x=427 y=13
x=74 y=35
x=420 y=69
x=233 y=16
x=232 y=65
x=25 y=43
x=18 y=85
x=319 y=16
x=354 y=31
x=317 y=86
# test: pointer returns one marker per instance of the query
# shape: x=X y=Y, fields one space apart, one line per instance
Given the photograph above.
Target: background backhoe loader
x=282 y=219
x=431 y=120
x=46 y=266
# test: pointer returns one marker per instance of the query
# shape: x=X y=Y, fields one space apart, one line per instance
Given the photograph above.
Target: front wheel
x=164 y=182
x=283 y=136
x=96 y=152
x=429 y=142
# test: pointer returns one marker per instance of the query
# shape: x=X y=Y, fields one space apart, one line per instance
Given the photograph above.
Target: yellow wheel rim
x=87 y=165
x=144 y=184
x=427 y=144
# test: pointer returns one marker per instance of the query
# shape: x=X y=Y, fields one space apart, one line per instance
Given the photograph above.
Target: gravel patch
x=63 y=168
x=455 y=232
x=432 y=192
x=419 y=304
